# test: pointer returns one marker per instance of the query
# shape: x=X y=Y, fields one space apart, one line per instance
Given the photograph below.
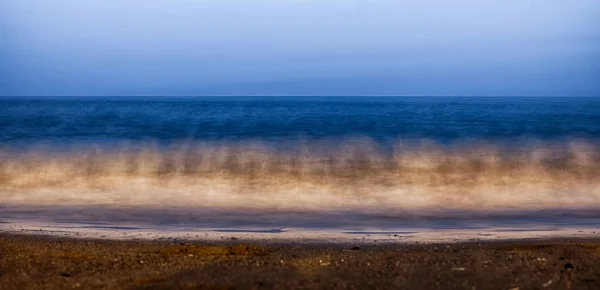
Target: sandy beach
x=30 y=261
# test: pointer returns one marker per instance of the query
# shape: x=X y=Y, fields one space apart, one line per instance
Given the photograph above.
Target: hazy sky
x=299 y=47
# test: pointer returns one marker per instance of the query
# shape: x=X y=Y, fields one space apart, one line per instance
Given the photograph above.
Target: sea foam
x=422 y=178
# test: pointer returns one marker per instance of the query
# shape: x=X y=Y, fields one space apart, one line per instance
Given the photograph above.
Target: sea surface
x=302 y=162
x=383 y=119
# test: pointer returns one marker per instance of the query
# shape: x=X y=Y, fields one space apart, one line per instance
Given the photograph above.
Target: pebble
x=569 y=266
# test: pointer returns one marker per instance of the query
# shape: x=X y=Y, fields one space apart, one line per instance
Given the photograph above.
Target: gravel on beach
x=48 y=262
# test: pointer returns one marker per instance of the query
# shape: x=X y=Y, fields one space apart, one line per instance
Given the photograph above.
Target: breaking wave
x=357 y=174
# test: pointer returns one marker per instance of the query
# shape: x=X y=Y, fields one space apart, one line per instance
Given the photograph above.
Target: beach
x=52 y=262
x=299 y=144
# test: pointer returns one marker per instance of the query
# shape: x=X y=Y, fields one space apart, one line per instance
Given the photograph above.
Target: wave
x=356 y=174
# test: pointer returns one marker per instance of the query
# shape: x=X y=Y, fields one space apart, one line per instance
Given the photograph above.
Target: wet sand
x=50 y=262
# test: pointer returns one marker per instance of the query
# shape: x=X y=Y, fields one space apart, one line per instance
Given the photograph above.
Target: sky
x=299 y=48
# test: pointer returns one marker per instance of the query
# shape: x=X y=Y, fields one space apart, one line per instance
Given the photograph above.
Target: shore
x=51 y=262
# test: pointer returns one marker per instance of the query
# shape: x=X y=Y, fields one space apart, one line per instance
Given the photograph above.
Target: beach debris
x=547 y=284
x=65 y=275
x=458 y=269
x=355 y=248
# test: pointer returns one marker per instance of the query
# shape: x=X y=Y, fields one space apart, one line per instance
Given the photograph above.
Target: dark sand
x=42 y=262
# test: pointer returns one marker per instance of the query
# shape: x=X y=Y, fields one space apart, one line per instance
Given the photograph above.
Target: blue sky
x=299 y=47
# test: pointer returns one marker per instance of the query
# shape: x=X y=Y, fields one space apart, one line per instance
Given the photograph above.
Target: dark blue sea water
x=385 y=119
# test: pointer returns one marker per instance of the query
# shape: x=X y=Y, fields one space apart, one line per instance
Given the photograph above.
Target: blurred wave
x=357 y=174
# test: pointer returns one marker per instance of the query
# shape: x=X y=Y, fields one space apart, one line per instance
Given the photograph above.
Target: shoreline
x=41 y=261
x=272 y=234
x=465 y=231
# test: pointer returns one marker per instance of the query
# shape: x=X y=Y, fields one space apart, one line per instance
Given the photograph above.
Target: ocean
x=382 y=119
x=304 y=162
